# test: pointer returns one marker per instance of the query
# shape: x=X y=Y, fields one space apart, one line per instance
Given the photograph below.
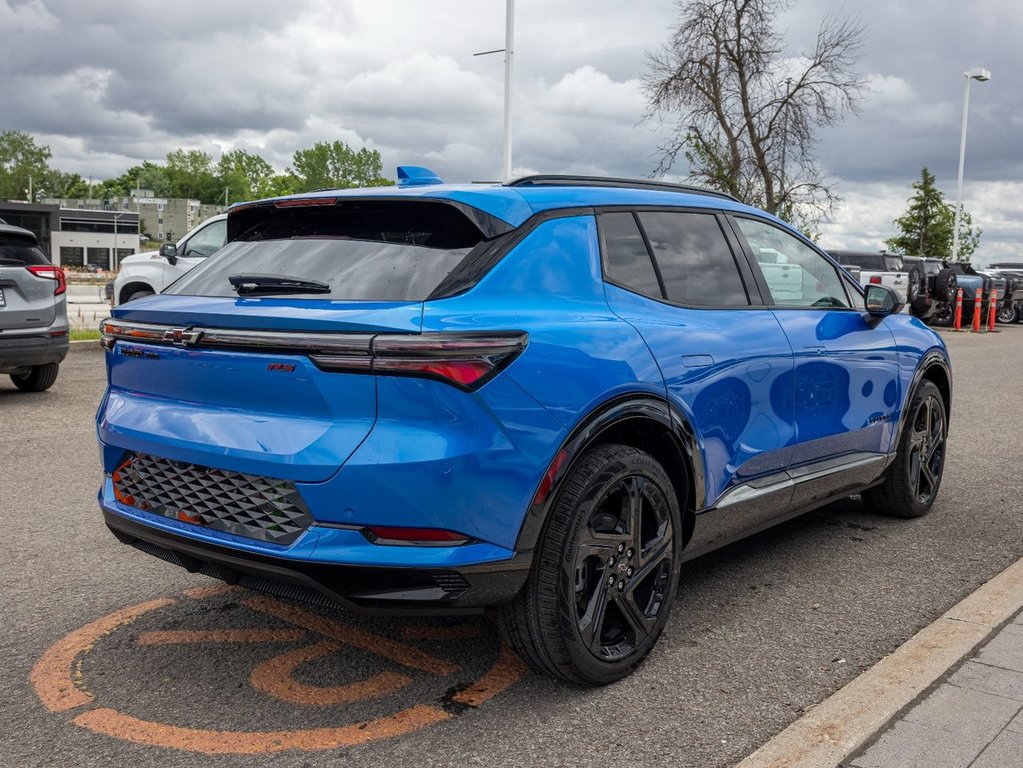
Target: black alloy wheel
x=914 y=477
x=943 y=316
x=927 y=450
x=623 y=566
x=604 y=572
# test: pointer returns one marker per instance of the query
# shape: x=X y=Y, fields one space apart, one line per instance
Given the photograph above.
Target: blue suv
x=540 y=397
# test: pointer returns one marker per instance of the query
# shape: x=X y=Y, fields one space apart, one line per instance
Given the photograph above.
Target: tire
x=943 y=316
x=39 y=378
x=945 y=285
x=139 y=294
x=604 y=572
x=911 y=485
x=1007 y=313
x=914 y=289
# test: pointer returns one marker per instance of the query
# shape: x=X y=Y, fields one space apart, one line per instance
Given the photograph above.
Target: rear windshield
x=383 y=251
x=875 y=262
x=19 y=252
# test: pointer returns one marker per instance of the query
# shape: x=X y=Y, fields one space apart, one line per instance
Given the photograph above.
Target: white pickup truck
x=144 y=274
x=876 y=269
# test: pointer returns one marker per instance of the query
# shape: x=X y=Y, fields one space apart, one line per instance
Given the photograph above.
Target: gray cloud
x=108 y=84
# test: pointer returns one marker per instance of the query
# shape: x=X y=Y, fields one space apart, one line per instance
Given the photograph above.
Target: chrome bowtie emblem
x=182 y=337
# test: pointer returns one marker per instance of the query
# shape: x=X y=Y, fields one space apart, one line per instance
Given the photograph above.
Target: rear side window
x=20 y=252
x=364 y=250
x=694 y=258
x=628 y=261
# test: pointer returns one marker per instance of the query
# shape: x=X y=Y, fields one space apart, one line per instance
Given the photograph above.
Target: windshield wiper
x=246 y=285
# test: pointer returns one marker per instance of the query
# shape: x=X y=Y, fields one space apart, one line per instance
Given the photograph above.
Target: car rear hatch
x=27 y=285
x=260 y=360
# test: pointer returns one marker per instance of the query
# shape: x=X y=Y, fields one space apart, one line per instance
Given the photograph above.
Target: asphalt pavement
x=114 y=658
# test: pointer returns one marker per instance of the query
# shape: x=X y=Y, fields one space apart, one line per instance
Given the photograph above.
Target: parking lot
x=115 y=658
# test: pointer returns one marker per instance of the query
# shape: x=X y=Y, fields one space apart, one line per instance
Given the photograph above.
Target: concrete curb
x=841 y=724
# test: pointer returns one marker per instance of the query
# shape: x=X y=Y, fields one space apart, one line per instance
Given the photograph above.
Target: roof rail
x=568 y=180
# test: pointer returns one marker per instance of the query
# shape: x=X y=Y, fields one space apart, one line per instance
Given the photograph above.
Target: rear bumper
x=22 y=351
x=362 y=589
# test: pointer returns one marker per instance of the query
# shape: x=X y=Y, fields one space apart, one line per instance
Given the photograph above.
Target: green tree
x=746 y=107
x=245 y=175
x=151 y=176
x=283 y=184
x=191 y=175
x=335 y=165
x=21 y=159
x=61 y=185
x=926 y=228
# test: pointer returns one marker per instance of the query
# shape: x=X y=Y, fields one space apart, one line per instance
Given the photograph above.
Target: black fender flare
x=605 y=416
x=930 y=360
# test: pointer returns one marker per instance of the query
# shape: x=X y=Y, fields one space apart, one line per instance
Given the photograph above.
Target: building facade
x=166 y=219
x=77 y=237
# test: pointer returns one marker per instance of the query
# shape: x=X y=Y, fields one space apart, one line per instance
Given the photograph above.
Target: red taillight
x=414 y=537
x=303 y=202
x=466 y=372
x=51 y=272
x=875 y=280
x=466 y=360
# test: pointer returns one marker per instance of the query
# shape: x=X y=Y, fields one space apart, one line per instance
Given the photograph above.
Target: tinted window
x=363 y=251
x=628 y=262
x=868 y=261
x=797 y=275
x=893 y=263
x=19 y=252
x=696 y=264
x=207 y=240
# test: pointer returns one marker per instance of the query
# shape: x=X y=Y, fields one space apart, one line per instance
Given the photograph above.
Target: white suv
x=144 y=274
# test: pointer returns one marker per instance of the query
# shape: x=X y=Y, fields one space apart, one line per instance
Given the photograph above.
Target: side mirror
x=882 y=301
x=170 y=252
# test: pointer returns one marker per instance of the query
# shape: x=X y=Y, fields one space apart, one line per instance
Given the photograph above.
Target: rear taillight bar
x=50 y=272
x=465 y=360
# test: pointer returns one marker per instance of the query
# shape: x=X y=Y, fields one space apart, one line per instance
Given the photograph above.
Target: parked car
x=877 y=269
x=34 y=333
x=931 y=288
x=144 y=274
x=539 y=397
x=1010 y=299
x=972 y=282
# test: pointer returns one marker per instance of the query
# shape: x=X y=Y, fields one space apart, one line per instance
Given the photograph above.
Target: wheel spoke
x=600 y=545
x=638 y=621
x=591 y=623
x=632 y=510
x=914 y=472
x=928 y=475
x=660 y=550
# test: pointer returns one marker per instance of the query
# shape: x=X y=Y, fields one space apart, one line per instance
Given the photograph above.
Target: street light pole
x=509 y=52
x=982 y=75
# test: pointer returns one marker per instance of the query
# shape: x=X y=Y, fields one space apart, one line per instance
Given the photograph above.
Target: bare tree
x=746 y=108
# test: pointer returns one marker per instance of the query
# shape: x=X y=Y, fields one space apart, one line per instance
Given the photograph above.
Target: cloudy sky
x=109 y=83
